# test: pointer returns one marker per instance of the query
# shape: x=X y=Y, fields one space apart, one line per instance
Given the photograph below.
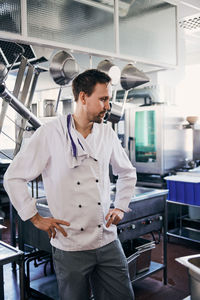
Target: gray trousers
x=105 y=270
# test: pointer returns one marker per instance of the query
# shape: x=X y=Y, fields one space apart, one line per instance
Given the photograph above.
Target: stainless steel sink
x=42 y=207
x=142 y=190
x=138 y=190
x=195 y=261
x=192 y=262
x=140 y=193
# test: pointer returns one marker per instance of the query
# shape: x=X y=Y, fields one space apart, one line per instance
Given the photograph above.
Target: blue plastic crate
x=184 y=189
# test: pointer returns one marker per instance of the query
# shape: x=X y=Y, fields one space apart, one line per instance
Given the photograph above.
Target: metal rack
x=181 y=231
x=10 y=254
x=151 y=212
x=27 y=76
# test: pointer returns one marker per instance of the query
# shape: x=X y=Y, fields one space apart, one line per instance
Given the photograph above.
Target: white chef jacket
x=77 y=188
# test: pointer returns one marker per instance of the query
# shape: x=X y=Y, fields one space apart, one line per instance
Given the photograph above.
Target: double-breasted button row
x=78 y=182
x=99 y=203
x=82 y=229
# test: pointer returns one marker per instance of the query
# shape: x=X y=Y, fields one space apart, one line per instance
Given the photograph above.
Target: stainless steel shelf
x=181 y=203
x=154 y=267
x=181 y=230
x=185 y=233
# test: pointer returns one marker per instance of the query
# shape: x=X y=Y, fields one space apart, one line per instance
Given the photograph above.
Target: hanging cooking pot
x=63 y=68
x=132 y=77
x=113 y=71
x=115 y=113
x=117 y=110
x=49 y=108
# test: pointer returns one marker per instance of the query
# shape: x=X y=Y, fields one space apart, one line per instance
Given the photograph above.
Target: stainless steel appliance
x=156 y=142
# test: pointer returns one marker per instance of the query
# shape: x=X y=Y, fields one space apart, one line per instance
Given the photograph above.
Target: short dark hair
x=86 y=81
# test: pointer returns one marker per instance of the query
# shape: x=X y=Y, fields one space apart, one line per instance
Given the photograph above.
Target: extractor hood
x=108 y=5
x=189 y=23
x=136 y=7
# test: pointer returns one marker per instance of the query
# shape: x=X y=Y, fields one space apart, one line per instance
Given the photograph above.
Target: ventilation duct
x=126 y=7
x=108 y=5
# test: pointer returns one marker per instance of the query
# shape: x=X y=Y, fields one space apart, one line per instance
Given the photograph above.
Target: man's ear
x=82 y=97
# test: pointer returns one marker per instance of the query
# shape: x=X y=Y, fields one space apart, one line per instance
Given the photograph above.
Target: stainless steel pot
x=63 y=68
x=49 y=107
x=117 y=110
x=113 y=71
x=132 y=77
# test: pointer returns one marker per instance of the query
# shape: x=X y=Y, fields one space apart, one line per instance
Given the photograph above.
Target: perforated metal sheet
x=71 y=22
x=191 y=23
x=2 y=59
x=10 y=51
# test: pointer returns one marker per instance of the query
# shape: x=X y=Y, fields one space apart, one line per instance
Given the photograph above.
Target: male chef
x=73 y=154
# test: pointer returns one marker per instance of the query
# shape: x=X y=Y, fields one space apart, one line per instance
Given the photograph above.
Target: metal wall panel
x=71 y=22
x=10 y=16
x=149 y=31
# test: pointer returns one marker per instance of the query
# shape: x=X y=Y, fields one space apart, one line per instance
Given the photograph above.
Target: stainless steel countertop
x=142 y=193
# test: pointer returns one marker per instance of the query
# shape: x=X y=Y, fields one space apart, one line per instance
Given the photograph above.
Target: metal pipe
x=19 y=107
x=6 y=155
x=116 y=25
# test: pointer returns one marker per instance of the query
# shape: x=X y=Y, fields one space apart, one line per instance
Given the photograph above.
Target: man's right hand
x=50 y=225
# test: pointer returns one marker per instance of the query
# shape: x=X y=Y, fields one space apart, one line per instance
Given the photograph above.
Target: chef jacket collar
x=79 y=148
